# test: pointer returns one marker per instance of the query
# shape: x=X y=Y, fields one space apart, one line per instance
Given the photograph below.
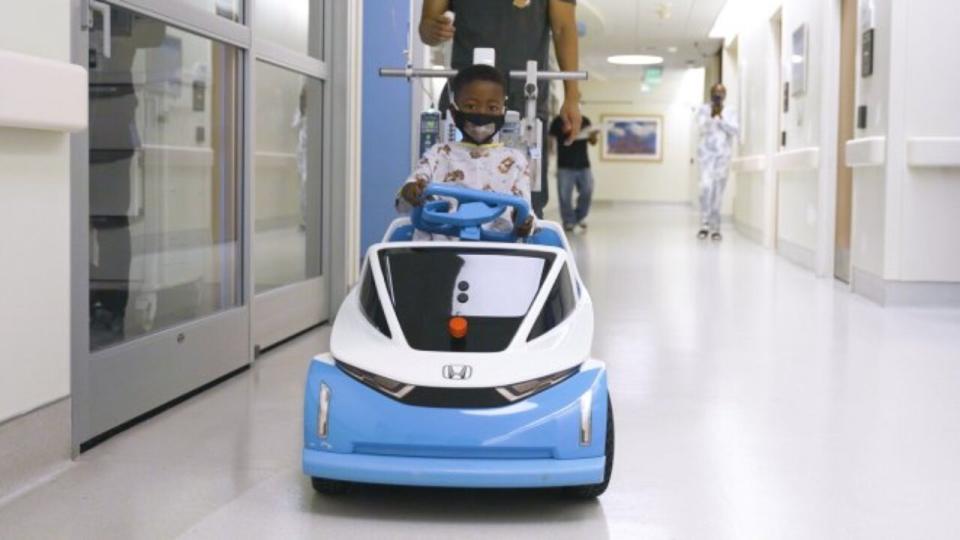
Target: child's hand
x=525 y=229
x=412 y=192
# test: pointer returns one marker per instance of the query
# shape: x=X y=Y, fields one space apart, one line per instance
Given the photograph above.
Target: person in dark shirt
x=573 y=171
x=518 y=30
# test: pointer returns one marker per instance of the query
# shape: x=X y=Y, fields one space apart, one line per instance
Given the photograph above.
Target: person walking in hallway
x=519 y=31
x=718 y=131
x=573 y=171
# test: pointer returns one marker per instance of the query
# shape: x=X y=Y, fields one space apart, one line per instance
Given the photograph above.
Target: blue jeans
x=567 y=179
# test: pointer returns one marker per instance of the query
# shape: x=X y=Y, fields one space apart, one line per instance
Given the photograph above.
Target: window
x=559 y=306
x=492 y=289
x=370 y=303
x=287 y=187
x=165 y=191
x=293 y=24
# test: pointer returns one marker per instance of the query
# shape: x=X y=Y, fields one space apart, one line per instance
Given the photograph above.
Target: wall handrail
x=748 y=164
x=43 y=94
x=866 y=152
x=800 y=159
x=933 y=152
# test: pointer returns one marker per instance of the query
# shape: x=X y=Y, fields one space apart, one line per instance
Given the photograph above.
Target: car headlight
x=523 y=390
x=323 y=413
x=392 y=388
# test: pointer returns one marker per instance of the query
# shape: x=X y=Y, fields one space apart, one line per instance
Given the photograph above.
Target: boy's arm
x=422 y=175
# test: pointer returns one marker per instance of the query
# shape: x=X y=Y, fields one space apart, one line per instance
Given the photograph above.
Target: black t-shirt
x=519 y=30
x=574 y=156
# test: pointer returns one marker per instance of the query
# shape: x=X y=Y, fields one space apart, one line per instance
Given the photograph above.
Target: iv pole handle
x=420 y=73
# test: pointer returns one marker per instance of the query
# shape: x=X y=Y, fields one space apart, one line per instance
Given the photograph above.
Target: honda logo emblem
x=457 y=372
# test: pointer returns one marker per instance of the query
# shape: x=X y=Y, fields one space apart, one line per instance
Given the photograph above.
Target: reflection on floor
x=753 y=401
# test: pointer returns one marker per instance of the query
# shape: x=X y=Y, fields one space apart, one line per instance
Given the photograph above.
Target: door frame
x=283 y=312
x=775 y=123
x=849 y=15
x=223 y=339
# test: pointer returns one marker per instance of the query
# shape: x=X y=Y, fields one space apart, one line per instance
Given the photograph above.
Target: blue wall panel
x=385 y=144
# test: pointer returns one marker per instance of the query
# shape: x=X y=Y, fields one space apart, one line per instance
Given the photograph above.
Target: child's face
x=481 y=97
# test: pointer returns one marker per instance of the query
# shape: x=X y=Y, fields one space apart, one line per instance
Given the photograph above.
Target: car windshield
x=491 y=289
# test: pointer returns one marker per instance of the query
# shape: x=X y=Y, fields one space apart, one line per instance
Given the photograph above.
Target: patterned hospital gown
x=717 y=137
x=491 y=167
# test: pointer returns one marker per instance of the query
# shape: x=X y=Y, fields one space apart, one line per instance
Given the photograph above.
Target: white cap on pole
x=485 y=56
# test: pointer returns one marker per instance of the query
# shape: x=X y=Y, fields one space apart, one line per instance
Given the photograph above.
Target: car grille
x=455 y=398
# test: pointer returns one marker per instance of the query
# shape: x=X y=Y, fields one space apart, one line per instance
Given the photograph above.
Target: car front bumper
x=533 y=443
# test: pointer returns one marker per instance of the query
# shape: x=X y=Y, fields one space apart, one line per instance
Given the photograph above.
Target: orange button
x=458 y=327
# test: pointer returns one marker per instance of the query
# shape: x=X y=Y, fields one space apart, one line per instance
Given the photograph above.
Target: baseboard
x=868 y=285
x=749 y=231
x=905 y=293
x=33 y=447
x=797 y=254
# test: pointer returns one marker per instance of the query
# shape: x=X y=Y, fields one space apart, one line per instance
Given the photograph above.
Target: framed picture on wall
x=632 y=138
x=798 y=61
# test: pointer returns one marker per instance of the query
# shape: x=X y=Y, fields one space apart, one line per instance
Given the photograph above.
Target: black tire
x=326 y=486
x=592 y=491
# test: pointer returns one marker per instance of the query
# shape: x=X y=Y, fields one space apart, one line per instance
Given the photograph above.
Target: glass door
x=199 y=221
x=159 y=303
x=288 y=170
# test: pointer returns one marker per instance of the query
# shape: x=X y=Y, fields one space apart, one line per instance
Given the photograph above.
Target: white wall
x=34 y=230
x=904 y=216
x=674 y=100
x=870 y=183
x=800 y=207
x=927 y=247
x=791 y=209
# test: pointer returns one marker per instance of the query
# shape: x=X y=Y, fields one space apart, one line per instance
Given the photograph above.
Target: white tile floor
x=752 y=400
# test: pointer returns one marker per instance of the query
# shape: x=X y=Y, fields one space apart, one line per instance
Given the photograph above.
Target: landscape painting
x=632 y=138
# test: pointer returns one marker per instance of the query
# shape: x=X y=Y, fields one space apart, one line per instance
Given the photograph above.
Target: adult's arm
x=563 y=23
x=704 y=118
x=729 y=123
x=435 y=27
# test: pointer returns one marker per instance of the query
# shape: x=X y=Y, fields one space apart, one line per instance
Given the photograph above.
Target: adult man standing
x=718 y=129
x=519 y=31
x=573 y=171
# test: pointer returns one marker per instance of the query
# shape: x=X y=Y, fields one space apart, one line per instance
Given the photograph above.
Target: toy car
x=462 y=363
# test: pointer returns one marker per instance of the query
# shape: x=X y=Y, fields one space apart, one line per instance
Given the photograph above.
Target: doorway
x=180 y=184
x=848 y=81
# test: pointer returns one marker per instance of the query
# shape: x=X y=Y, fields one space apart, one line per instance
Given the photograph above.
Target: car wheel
x=592 y=491
x=326 y=486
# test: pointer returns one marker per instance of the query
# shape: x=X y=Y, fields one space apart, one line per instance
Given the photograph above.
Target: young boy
x=478 y=109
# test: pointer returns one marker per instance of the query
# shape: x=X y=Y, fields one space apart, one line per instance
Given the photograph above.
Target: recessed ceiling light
x=672 y=50
x=635 y=60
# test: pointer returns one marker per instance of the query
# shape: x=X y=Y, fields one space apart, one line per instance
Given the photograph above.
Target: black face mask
x=477 y=128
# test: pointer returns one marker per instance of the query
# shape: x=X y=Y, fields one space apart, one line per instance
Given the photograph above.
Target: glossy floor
x=752 y=401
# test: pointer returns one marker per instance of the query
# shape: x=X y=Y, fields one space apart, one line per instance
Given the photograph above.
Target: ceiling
x=636 y=27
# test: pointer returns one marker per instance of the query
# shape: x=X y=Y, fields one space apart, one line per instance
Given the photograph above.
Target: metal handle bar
x=553 y=75
x=420 y=73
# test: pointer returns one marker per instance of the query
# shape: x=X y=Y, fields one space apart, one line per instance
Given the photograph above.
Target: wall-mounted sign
x=798 y=61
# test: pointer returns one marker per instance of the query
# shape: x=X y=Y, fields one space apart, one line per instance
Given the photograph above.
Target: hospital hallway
x=752 y=400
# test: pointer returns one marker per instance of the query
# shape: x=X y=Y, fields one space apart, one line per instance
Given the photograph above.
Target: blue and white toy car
x=462 y=363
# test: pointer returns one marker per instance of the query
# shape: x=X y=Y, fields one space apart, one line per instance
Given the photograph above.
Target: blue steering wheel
x=474 y=208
